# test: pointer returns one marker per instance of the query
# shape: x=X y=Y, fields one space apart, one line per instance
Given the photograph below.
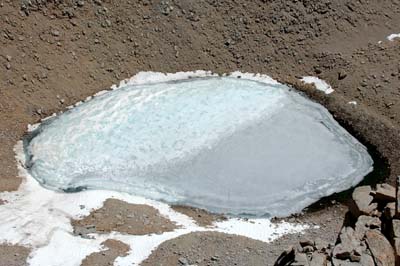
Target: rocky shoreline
x=370 y=234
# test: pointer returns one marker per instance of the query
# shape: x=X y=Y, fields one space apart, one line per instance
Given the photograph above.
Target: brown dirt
x=62 y=53
x=210 y=248
x=123 y=217
x=107 y=257
x=11 y=255
x=200 y=216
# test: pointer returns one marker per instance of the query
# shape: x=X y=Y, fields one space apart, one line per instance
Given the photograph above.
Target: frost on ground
x=235 y=144
x=320 y=84
x=40 y=219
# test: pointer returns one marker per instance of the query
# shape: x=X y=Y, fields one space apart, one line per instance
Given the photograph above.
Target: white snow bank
x=393 y=36
x=319 y=84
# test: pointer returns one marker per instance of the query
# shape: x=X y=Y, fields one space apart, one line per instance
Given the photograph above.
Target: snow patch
x=320 y=84
x=393 y=36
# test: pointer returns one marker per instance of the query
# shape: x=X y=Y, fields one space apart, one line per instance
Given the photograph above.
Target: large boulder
x=380 y=248
x=363 y=201
x=350 y=248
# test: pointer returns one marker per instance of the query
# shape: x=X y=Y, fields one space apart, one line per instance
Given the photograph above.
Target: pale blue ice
x=225 y=144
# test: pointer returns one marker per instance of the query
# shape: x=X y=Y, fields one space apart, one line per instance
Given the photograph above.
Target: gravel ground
x=55 y=53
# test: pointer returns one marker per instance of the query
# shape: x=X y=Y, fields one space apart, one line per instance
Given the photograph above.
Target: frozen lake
x=222 y=143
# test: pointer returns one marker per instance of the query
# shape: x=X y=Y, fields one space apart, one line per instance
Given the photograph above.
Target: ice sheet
x=242 y=144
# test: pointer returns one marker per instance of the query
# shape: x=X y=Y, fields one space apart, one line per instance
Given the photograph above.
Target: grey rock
x=367 y=260
x=380 y=248
x=364 y=223
x=183 y=261
x=55 y=33
x=362 y=201
x=350 y=247
x=300 y=259
x=318 y=259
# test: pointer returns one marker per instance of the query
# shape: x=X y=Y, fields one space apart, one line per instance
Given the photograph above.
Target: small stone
x=214 y=258
x=8 y=58
x=342 y=75
x=55 y=33
x=8 y=66
x=183 y=261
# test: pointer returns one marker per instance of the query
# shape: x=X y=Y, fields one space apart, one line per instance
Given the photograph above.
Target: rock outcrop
x=370 y=238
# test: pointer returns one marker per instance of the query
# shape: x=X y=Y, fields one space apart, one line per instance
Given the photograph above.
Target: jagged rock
x=350 y=248
x=364 y=223
x=318 y=259
x=385 y=192
x=362 y=201
x=390 y=210
x=286 y=258
x=380 y=248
